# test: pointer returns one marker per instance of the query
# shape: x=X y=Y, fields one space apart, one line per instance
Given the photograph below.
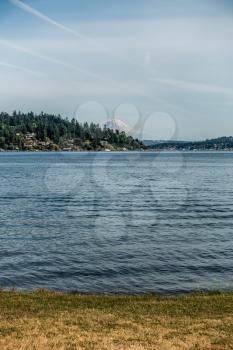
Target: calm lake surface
x=116 y=222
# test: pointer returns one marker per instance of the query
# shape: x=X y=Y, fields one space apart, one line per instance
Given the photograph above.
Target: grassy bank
x=49 y=320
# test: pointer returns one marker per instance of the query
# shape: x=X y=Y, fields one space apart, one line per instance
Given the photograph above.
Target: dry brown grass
x=46 y=320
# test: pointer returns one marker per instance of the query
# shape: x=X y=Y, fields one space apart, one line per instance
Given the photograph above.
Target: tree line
x=30 y=131
x=220 y=143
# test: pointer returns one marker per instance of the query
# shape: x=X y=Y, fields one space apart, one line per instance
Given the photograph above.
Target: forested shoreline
x=34 y=132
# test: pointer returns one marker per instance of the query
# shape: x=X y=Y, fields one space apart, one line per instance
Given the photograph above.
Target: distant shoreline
x=119 y=151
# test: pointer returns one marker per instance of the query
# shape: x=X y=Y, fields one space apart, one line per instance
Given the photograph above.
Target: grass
x=50 y=320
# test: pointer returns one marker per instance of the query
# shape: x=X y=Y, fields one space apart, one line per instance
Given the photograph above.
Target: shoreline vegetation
x=47 y=132
x=45 y=319
x=218 y=144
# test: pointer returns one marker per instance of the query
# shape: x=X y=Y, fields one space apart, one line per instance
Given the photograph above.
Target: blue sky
x=169 y=63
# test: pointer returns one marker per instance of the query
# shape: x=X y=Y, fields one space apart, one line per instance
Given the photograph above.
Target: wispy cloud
x=196 y=87
x=33 y=53
x=89 y=41
x=40 y=88
x=45 y=18
x=109 y=84
x=23 y=69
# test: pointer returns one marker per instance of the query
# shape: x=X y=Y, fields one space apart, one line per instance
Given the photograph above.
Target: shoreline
x=179 y=294
x=46 y=319
x=118 y=151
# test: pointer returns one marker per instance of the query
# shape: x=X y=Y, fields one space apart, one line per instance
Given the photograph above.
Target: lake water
x=116 y=222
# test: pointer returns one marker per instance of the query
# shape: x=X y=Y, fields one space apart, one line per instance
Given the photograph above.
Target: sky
x=164 y=67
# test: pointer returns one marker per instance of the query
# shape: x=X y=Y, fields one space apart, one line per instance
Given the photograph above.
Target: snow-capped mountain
x=117 y=124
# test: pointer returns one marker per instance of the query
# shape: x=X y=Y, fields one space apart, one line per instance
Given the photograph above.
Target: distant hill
x=220 y=143
x=156 y=142
x=20 y=131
